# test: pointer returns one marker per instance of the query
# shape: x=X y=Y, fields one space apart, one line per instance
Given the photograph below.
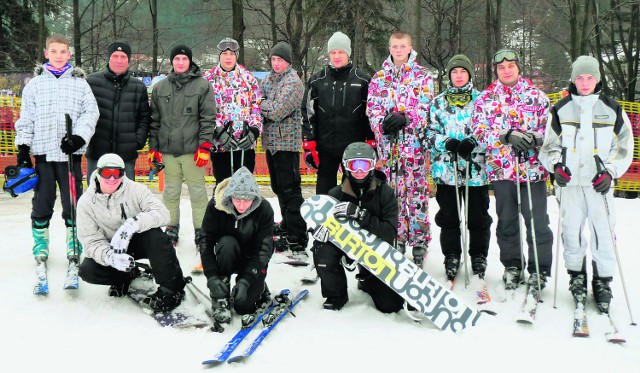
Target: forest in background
x=547 y=34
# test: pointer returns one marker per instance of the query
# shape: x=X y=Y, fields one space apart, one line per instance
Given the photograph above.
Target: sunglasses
x=228 y=44
x=505 y=54
x=362 y=164
x=106 y=173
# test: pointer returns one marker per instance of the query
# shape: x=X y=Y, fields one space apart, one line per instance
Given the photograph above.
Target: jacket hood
x=76 y=72
x=390 y=65
x=241 y=183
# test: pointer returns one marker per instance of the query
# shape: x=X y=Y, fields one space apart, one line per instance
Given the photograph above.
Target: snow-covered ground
x=88 y=331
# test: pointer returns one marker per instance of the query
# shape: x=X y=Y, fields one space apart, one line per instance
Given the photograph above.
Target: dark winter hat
x=182 y=49
x=460 y=60
x=339 y=41
x=119 y=46
x=282 y=50
x=585 y=65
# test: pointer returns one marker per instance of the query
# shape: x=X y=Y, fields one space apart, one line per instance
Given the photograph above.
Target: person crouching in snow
x=237 y=237
x=119 y=222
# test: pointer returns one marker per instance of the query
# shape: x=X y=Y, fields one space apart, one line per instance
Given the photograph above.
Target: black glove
x=71 y=144
x=239 y=292
x=24 y=159
x=219 y=288
x=225 y=140
x=602 y=182
x=451 y=144
x=466 y=146
x=351 y=211
x=521 y=141
x=561 y=174
x=392 y=123
x=246 y=141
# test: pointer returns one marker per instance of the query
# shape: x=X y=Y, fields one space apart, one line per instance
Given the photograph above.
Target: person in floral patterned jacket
x=238 y=122
x=398 y=108
x=282 y=139
x=510 y=117
x=452 y=143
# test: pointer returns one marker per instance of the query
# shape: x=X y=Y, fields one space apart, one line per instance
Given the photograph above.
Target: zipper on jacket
x=344 y=93
x=333 y=99
x=124 y=214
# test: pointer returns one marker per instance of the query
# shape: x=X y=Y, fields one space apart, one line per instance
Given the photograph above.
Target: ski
x=483 y=299
x=71 y=279
x=580 y=326
x=281 y=309
x=42 y=286
x=235 y=341
x=613 y=335
x=529 y=308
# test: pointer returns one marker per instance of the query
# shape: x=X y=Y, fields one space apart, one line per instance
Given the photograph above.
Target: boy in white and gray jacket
x=595 y=134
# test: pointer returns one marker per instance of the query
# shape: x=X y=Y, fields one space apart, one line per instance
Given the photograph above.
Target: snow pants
x=176 y=170
x=52 y=174
x=221 y=162
x=284 y=171
x=327 y=172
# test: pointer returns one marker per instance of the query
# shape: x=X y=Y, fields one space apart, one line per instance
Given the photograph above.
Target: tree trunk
x=272 y=13
x=77 y=46
x=416 y=30
x=42 y=31
x=238 y=27
x=153 y=9
x=488 y=21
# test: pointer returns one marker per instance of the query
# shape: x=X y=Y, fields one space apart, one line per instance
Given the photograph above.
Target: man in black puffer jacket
x=123 y=126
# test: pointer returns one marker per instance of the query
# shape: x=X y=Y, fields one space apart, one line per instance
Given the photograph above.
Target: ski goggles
x=362 y=164
x=106 y=172
x=505 y=54
x=228 y=43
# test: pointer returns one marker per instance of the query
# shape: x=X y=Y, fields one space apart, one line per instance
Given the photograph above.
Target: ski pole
x=601 y=168
x=189 y=284
x=563 y=160
x=520 y=230
x=533 y=231
x=72 y=189
x=461 y=222
x=466 y=222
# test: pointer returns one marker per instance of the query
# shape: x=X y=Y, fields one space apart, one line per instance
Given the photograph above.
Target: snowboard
x=437 y=303
x=181 y=317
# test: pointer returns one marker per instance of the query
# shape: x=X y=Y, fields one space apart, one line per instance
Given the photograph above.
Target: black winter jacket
x=334 y=108
x=123 y=126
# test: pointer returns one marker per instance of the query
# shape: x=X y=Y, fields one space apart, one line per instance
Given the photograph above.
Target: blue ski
x=42 y=287
x=71 y=280
x=235 y=341
x=282 y=310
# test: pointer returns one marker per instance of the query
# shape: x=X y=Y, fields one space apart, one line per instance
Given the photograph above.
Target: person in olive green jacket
x=183 y=112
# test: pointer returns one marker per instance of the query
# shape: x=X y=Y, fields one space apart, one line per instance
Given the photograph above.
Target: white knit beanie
x=339 y=41
x=110 y=160
x=585 y=65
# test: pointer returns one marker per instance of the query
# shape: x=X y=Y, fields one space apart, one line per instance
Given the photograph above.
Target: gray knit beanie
x=282 y=50
x=460 y=60
x=339 y=41
x=585 y=65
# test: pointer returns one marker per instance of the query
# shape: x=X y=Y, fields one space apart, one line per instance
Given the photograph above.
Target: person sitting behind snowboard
x=237 y=237
x=366 y=198
x=119 y=222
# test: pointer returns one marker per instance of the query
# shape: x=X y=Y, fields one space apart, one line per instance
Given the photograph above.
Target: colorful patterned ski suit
x=406 y=89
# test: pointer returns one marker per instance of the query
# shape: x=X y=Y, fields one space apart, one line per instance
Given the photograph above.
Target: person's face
x=279 y=64
x=586 y=84
x=508 y=72
x=118 y=62
x=58 y=54
x=241 y=205
x=359 y=174
x=228 y=59
x=180 y=64
x=459 y=77
x=109 y=185
x=400 y=49
x=338 y=58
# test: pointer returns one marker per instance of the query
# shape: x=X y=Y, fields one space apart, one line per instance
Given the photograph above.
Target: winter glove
x=351 y=211
x=311 y=156
x=122 y=262
x=120 y=240
x=537 y=138
x=225 y=140
x=561 y=174
x=321 y=233
x=239 y=292
x=70 y=144
x=218 y=288
x=203 y=154
x=466 y=146
x=24 y=158
x=247 y=141
x=602 y=182
x=451 y=144
x=392 y=123
x=521 y=141
x=155 y=155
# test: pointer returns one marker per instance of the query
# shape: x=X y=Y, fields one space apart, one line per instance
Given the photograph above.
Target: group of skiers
x=389 y=133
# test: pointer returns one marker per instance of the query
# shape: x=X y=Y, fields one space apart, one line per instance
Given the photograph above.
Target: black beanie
x=119 y=46
x=282 y=50
x=182 y=49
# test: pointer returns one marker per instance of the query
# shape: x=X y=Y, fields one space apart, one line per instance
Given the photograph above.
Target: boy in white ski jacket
x=595 y=134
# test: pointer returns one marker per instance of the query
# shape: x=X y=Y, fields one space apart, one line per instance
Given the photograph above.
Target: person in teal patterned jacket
x=454 y=148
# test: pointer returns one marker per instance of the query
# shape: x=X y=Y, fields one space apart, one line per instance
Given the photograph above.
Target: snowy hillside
x=88 y=331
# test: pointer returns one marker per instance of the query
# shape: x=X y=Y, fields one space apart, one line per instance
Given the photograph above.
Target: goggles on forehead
x=244 y=196
x=107 y=172
x=505 y=54
x=228 y=44
x=362 y=164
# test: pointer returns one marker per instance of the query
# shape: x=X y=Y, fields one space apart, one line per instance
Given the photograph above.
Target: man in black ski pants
x=366 y=198
x=333 y=110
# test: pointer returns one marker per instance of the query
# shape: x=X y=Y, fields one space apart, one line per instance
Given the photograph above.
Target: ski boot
x=74 y=248
x=262 y=304
x=297 y=248
x=511 y=278
x=479 y=265
x=335 y=303
x=602 y=293
x=197 y=267
x=164 y=299
x=40 y=233
x=451 y=265
x=221 y=311
x=578 y=287
x=419 y=252
x=173 y=231
x=537 y=281
x=279 y=237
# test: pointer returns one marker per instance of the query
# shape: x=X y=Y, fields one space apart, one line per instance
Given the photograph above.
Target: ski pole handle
x=69 y=124
x=563 y=156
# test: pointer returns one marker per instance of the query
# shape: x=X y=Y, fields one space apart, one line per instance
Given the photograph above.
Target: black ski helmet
x=359 y=150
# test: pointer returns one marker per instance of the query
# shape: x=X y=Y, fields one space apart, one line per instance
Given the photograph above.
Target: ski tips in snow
x=42 y=284
x=71 y=279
